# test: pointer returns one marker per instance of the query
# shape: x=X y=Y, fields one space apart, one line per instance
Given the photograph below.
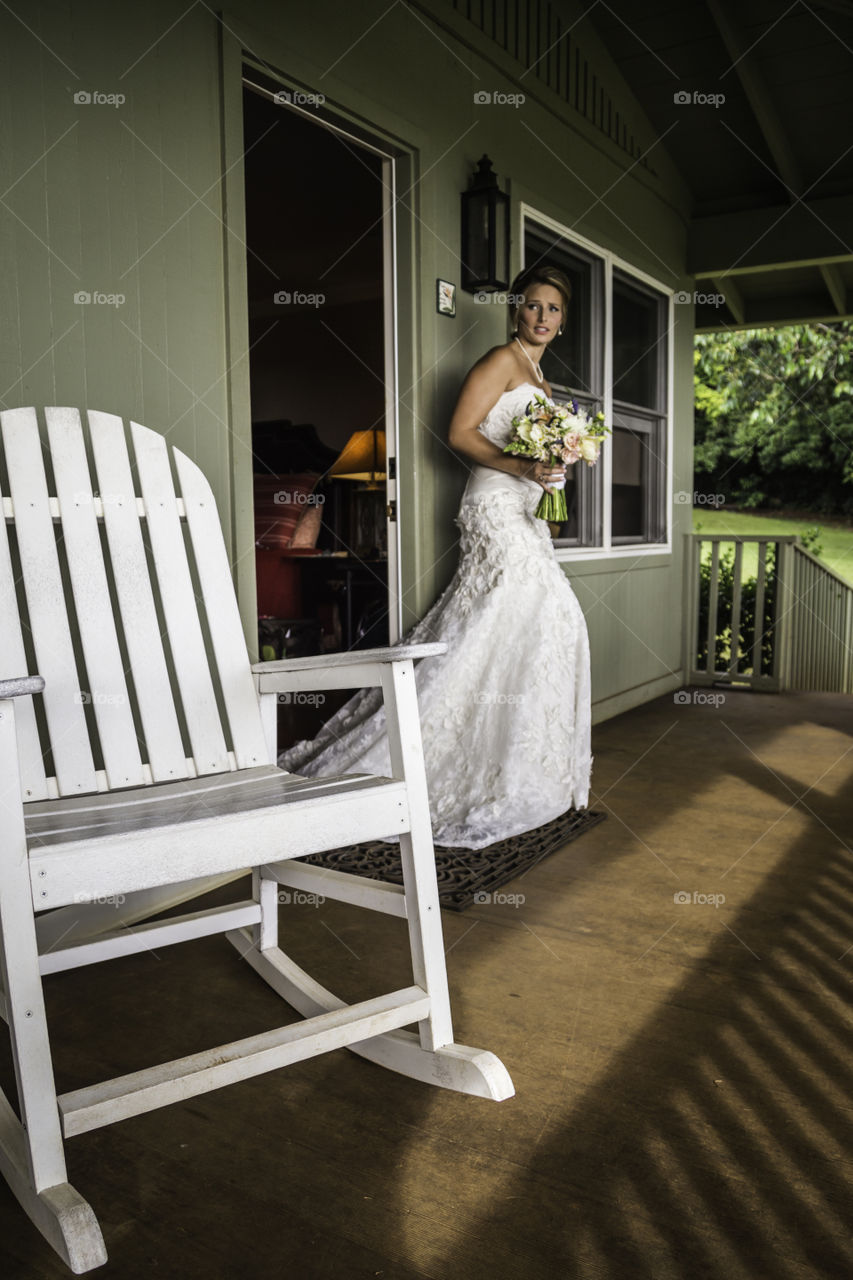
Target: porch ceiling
x=770 y=168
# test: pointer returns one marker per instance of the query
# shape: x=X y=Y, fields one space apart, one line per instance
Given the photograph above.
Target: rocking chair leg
x=453 y=1066
x=417 y=853
x=32 y=1157
x=265 y=892
x=431 y=1056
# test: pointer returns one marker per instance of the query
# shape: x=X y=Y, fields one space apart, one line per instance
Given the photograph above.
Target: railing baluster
x=713 y=590
x=784 y=621
x=812 y=610
x=822 y=608
x=693 y=596
x=734 y=651
x=795 y=614
x=758 y=632
x=807 y=602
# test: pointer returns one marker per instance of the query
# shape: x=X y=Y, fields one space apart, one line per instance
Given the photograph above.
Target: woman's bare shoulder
x=497 y=368
x=485 y=383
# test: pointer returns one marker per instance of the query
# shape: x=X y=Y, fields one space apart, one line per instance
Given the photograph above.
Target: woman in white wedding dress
x=505 y=713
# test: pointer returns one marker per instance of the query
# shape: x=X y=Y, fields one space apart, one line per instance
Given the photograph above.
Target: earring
x=559 y=331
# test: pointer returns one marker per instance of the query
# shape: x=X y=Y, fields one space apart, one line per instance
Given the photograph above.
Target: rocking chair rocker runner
x=140 y=761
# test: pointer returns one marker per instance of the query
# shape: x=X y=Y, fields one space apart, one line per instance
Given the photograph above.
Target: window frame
x=661 y=485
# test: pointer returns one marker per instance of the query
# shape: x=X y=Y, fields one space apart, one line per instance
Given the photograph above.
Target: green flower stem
x=553 y=507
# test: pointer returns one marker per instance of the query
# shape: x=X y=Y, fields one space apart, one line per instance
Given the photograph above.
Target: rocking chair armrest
x=273 y=675
x=20 y=686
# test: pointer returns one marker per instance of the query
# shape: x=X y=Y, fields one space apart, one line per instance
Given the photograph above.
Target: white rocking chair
x=140 y=761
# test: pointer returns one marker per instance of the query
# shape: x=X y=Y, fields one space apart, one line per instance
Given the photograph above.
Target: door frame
x=239 y=68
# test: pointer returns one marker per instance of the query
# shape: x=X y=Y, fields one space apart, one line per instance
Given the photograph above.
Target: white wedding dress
x=505 y=713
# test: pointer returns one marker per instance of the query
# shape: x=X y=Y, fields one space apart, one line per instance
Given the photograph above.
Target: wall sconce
x=485 y=232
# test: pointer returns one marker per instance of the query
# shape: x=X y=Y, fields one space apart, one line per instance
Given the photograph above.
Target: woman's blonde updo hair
x=543 y=273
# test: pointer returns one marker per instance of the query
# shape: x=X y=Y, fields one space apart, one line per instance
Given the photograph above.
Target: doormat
x=464 y=874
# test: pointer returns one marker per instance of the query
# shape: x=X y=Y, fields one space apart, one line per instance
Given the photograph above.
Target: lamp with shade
x=362 y=460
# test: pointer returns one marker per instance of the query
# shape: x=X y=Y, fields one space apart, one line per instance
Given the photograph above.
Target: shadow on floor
x=682 y=1069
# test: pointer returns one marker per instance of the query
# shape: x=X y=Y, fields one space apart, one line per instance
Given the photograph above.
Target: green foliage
x=774 y=417
x=746 y=629
x=810 y=538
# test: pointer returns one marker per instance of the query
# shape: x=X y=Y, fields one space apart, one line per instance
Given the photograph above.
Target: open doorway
x=320 y=313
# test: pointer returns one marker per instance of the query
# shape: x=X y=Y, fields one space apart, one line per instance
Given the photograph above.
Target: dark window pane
x=574 y=366
x=638 y=349
x=629 y=481
x=572 y=361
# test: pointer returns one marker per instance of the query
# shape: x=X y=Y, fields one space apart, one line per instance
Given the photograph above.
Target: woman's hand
x=545 y=474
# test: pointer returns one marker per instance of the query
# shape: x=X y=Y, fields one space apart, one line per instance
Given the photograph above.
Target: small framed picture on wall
x=445 y=298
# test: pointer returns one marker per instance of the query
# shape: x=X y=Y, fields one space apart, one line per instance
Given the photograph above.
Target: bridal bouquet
x=560 y=434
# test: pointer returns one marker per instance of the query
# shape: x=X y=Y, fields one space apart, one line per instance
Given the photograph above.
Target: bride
x=505 y=713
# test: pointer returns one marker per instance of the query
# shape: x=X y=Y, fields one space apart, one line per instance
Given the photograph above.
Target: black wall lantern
x=485 y=232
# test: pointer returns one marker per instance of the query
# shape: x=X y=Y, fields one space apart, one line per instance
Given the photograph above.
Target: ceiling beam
x=764 y=313
x=835 y=286
x=808 y=233
x=758 y=96
x=733 y=296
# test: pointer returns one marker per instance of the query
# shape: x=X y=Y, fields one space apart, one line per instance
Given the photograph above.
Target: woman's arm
x=480 y=392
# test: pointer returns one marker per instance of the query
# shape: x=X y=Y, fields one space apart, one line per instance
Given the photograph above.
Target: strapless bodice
x=497 y=424
x=497 y=427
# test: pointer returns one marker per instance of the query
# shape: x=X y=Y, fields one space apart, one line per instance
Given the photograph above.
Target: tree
x=774 y=417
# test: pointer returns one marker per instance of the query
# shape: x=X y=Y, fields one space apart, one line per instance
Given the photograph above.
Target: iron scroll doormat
x=465 y=873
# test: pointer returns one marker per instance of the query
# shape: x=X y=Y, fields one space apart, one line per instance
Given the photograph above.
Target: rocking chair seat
x=147 y=836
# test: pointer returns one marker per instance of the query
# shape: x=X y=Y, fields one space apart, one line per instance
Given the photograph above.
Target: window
x=574 y=366
x=638 y=442
x=620 y=321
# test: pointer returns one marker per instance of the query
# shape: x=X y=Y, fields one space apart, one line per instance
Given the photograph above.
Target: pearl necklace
x=535 y=367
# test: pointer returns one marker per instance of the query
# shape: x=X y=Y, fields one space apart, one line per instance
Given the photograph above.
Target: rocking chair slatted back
x=13 y=658
x=82 y=545
x=135 y=598
x=226 y=634
x=150 y=634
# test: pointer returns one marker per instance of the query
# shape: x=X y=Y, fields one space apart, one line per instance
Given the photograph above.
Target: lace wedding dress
x=505 y=713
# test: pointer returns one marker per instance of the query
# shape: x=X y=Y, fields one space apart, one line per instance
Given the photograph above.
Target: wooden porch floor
x=683 y=1070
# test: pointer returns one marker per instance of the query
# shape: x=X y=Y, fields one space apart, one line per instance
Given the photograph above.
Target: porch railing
x=764 y=612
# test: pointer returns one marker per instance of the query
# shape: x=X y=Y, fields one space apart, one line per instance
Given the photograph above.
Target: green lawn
x=836 y=539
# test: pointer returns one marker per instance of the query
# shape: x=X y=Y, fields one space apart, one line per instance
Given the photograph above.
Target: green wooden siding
x=132 y=200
